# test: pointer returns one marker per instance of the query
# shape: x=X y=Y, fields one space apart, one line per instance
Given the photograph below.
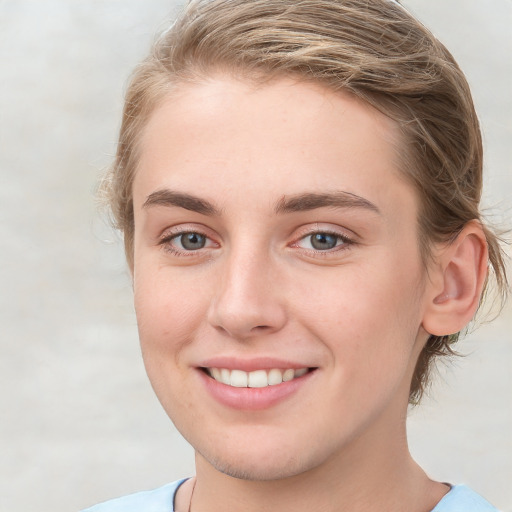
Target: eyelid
x=170 y=233
x=341 y=233
x=347 y=237
x=319 y=227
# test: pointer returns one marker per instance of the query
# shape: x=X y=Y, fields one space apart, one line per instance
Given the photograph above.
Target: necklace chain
x=191 y=495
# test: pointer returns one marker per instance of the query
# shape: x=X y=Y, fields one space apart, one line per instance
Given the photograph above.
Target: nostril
x=242 y=317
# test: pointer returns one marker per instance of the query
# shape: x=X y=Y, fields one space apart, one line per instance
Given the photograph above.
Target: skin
x=258 y=288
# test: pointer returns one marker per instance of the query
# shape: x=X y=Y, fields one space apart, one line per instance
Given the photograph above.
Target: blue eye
x=190 y=241
x=323 y=241
x=183 y=241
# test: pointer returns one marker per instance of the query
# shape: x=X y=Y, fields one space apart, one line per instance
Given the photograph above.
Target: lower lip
x=253 y=399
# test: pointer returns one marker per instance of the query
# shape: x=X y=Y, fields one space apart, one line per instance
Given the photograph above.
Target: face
x=278 y=281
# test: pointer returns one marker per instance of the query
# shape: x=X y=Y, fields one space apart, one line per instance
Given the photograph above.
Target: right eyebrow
x=166 y=197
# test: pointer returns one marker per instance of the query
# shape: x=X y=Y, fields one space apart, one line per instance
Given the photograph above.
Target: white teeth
x=288 y=375
x=239 y=379
x=275 y=377
x=225 y=377
x=258 y=379
x=255 y=379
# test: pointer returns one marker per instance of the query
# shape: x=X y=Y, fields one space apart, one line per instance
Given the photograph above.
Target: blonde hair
x=372 y=48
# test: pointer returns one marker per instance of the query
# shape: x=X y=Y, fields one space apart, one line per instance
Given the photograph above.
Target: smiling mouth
x=257 y=378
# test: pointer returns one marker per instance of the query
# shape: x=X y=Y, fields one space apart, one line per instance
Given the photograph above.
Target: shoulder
x=463 y=499
x=156 y=500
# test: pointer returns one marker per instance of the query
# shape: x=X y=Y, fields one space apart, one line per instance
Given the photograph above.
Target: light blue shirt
x=459 y=499
x=463 y=499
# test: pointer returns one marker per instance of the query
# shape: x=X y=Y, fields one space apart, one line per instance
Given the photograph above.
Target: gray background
x=79 y=422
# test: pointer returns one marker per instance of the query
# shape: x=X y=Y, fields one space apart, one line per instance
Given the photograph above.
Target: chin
x=264 y=464
x=257 y=471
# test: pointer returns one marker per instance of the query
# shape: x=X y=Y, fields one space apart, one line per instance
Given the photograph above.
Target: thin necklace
x=191 y=494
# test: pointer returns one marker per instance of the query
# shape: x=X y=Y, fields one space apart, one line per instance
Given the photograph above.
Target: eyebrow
x=294 y=203
x=312 y=201
x=188 y=202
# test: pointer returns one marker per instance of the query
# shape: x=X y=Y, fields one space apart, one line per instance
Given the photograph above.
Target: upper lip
x=253 y=364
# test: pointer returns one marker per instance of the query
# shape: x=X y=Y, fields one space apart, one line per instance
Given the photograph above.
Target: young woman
x=298 y=185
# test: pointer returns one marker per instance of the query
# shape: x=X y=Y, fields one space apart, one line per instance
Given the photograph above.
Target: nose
x=248 y=301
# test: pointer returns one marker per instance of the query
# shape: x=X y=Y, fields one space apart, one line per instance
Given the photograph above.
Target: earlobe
x=461 y=272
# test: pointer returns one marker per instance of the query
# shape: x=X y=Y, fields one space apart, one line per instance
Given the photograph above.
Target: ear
x=457 y=281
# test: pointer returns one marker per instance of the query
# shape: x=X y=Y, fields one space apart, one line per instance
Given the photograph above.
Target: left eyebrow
x=312 y=201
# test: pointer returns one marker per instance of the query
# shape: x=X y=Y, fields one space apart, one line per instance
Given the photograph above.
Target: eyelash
x=343 y=242
x=167 y=242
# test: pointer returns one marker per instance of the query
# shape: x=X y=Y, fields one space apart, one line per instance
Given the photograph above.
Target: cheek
x=169 y=310
x=169 y=313
x=369 y=318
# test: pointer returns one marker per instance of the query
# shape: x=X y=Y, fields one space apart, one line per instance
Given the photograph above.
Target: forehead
x=278 y=137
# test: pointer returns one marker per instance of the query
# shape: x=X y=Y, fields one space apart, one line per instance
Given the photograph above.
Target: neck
x=365 y=476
